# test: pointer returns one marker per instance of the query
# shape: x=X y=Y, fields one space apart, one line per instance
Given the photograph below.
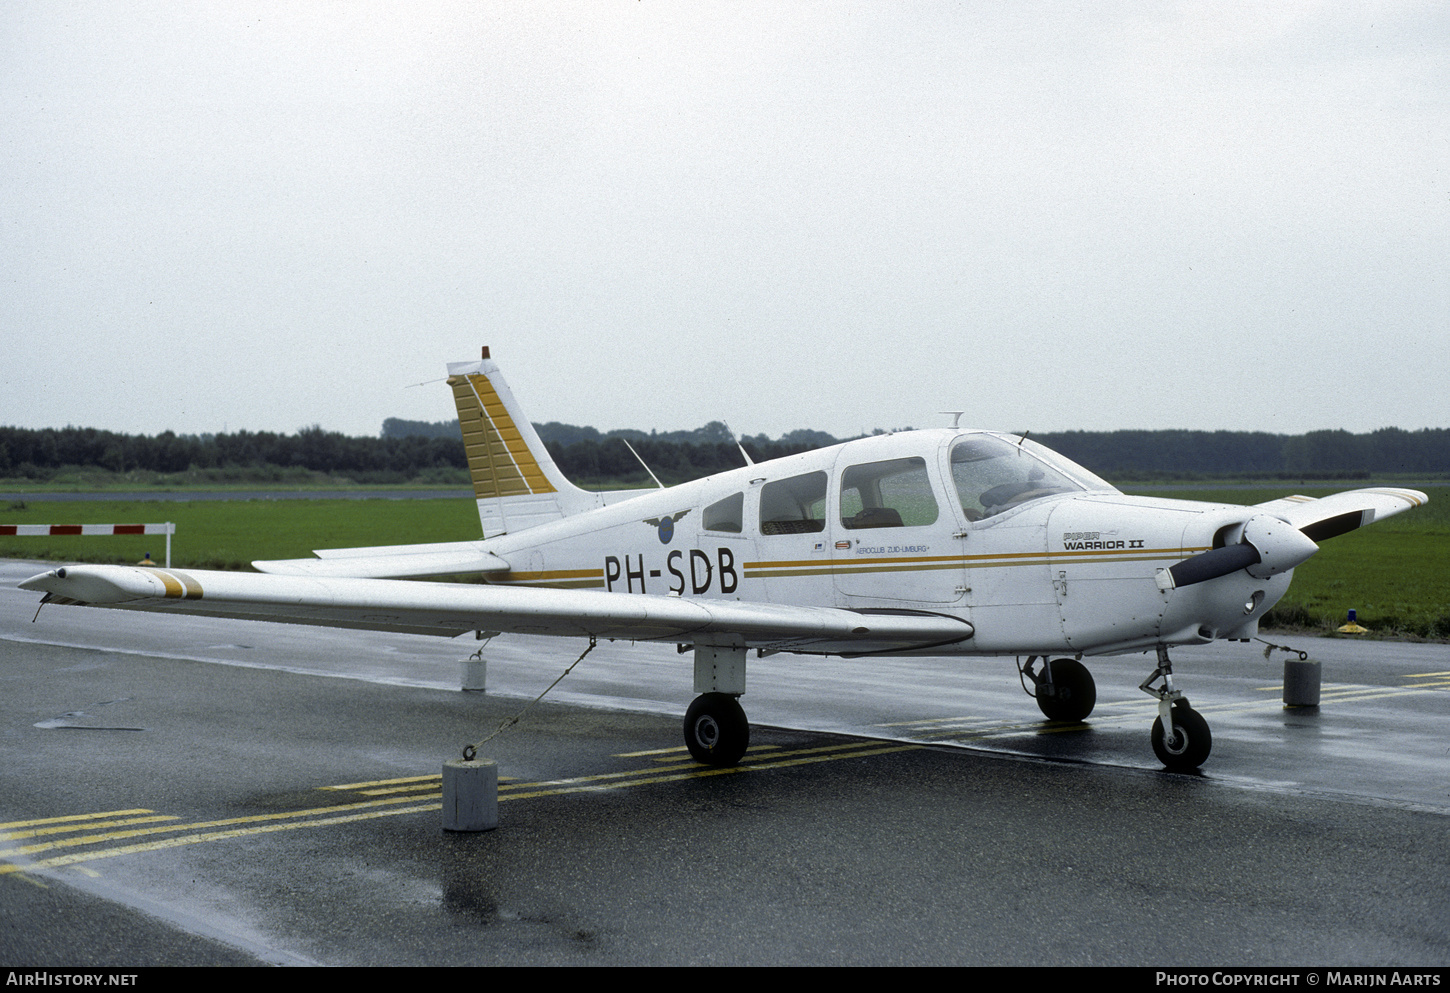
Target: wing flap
x=450 y=609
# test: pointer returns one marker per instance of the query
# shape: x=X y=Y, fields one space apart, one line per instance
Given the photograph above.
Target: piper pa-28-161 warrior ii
x=938 y=542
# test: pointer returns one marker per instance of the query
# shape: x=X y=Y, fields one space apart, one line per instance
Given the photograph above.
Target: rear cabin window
x=892 y=494
x=726 y=515
x=794 y=506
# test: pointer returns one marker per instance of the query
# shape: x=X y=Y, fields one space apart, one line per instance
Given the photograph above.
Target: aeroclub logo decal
x=666 y=525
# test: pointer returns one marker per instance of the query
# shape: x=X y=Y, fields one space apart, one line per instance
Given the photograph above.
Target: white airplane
x=938 y=542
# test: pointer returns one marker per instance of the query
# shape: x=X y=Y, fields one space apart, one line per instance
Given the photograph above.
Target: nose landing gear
x=1181 y=738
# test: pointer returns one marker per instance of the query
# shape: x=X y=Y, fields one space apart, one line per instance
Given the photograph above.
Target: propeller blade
x=1210 y=565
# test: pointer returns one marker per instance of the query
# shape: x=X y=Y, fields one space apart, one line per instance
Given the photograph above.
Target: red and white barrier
x=44 y=530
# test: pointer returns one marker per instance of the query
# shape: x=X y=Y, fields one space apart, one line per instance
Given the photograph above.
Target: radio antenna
x=641 y=461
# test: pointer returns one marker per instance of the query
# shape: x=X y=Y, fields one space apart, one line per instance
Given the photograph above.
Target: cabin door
x=893 y=535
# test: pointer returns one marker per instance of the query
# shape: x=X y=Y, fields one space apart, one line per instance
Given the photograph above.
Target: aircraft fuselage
x=1037 y=553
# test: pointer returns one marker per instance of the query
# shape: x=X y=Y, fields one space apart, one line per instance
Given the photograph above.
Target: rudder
x=516 y=483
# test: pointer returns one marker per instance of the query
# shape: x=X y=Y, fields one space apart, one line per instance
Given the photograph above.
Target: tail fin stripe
x=493 y=474
x=509 y=434
x=499 y=460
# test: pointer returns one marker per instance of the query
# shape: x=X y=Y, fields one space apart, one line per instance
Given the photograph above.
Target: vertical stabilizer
x=516 y=483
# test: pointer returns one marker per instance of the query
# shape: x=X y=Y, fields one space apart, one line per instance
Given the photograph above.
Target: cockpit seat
x=875 y=517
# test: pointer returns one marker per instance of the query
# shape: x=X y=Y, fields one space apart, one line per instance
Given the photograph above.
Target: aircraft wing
x=446 y=558
x=450 y=609
x=1327 y=517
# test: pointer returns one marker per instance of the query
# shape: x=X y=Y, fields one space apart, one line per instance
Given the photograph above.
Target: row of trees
x=1140 y=454
x=590 y=456
x=27 y=452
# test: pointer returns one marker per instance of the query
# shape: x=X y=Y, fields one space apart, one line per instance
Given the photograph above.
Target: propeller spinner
x=1266 y=547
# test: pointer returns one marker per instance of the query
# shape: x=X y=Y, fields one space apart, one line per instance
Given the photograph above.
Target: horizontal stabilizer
x=450 y=609
x=448 y=558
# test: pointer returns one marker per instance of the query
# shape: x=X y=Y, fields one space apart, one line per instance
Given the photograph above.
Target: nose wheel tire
x=1073 y=693
x=1188 y=745
x=716 y=731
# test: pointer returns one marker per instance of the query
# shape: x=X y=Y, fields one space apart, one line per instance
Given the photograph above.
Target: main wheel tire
x=1190 y=744
x=716 y=731
x=1074 y=694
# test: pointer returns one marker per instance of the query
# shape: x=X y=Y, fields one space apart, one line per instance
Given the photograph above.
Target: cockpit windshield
x=992 y=475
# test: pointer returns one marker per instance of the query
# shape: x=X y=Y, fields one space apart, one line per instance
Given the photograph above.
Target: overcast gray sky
x=831 y=215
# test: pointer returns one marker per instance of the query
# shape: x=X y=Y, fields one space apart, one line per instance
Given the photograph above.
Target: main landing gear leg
x=716 y=731
x=1064 y=689
x=1181 y=738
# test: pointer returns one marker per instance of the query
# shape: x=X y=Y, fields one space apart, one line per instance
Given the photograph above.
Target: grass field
x=1396 y=574
x=229 y=534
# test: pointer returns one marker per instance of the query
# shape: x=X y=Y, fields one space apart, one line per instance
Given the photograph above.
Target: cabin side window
x=726 y=515
x=891 y=494
x=794 y=506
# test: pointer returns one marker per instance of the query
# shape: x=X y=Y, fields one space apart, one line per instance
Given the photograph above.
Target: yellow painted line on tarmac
x=686 y=767
x=1384 y=693
x=671 y=754
x=943 y=722
x=674 y=754
x=697 y=771
x=431 y=783
x=989 y=728
x=933 y=720
x=72 y=817
x=1330 y=693
x=198 y=832
x=82 y=826
x=959 y=729
x=1129 y=711
x=1006 y=730
x=649 y=753
x=383 y=782
x=1141 y=710
x=27 y=850
x=408 y=784
x=1354 y=692
x=195 y=839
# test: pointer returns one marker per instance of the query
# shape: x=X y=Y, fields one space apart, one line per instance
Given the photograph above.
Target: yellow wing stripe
x=177 y=585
